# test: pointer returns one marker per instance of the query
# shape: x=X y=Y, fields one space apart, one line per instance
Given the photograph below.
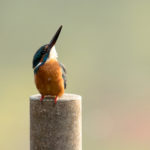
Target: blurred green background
x=105 y=46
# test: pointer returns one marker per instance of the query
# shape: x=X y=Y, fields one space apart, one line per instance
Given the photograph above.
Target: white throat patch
x=53 y=53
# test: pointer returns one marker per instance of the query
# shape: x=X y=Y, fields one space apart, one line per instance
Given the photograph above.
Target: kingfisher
x=49 y=73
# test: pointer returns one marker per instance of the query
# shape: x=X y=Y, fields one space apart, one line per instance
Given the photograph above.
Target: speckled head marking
x=46 y=52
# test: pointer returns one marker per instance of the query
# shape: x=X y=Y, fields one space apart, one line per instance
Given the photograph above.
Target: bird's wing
x=63 y=74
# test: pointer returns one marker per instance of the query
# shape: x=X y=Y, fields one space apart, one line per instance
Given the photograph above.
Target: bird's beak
x=54 y=39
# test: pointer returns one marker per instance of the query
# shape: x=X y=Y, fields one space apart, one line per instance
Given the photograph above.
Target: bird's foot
x=41 y=99
x=55 y=100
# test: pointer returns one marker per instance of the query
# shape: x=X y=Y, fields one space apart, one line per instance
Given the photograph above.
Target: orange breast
x=48 y=79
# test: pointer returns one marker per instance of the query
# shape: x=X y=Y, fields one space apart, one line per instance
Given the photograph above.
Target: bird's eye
x=44 y=51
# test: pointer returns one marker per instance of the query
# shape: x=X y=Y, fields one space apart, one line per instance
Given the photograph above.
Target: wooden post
x=55 y=126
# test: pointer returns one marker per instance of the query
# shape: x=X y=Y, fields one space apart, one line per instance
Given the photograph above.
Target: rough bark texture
x=55 y=126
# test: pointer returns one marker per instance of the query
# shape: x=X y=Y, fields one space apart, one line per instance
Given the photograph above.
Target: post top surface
x=64 y=97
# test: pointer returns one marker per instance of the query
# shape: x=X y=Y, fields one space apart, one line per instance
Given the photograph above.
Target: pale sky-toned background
x=105 y=46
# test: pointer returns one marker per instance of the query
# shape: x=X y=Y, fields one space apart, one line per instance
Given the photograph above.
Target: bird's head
x=46 y=52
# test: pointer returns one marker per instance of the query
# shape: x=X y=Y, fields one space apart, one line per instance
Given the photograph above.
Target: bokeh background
x=105 y=45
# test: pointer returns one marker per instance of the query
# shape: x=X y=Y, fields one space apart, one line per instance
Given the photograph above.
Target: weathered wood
x=55 y=126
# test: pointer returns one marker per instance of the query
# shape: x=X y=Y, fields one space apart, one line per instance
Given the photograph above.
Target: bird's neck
x=52 y=56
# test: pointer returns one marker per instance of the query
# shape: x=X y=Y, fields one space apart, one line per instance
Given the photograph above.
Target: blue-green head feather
x=38 y=55
x=41 y=54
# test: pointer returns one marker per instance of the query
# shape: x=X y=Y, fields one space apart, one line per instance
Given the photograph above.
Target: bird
x=49 y=73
